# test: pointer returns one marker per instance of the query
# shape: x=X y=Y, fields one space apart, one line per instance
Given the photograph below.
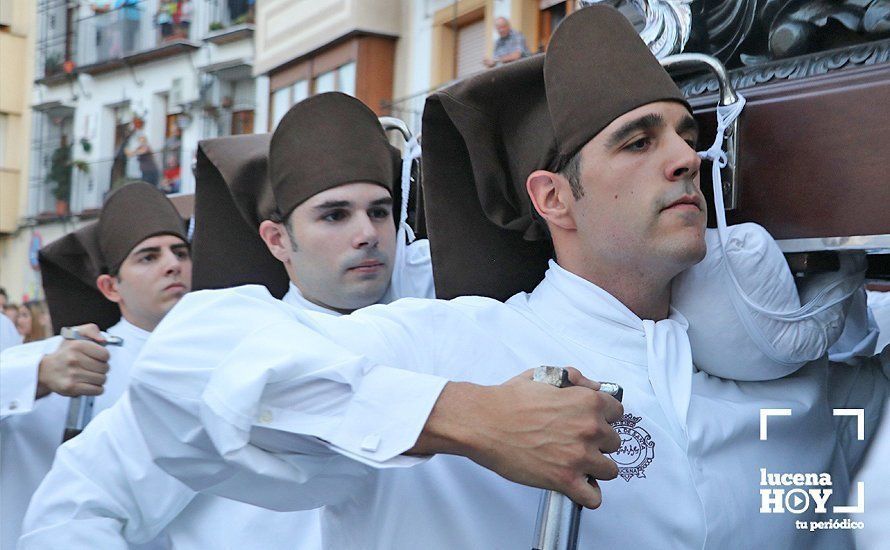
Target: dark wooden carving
x=821 y=63
x=815 y=154
x=752 y=32
x=815 y=135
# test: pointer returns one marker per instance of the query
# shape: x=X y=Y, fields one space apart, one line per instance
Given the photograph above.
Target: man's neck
x=645 y=292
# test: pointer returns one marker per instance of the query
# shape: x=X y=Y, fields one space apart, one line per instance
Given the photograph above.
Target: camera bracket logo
x=797 y=493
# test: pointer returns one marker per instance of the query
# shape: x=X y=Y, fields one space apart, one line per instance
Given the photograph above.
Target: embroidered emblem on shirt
x=637 y=448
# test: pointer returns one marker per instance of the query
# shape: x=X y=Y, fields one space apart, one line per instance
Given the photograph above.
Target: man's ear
x=108 y=287
x=277 y=240
x=551 y=194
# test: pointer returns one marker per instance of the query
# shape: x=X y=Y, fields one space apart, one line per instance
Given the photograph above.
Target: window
x=130 y=147
x=326 y=82
x=301 y=91
x=284 y=98
x=551 y=14
x=52 y=177
x=366 y=59
x=341 y=79
x=281 y=102
x=346 y=79
x=55 y=21
x=470 y=49
x=242 y=106
x=461 y=35
x=242 y=122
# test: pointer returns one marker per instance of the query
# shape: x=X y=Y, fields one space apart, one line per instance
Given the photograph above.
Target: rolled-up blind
x=470 y=48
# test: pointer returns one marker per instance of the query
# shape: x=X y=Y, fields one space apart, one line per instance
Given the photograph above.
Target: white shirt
x=875 y=474
x=31 y=429
x=132 y=500
x=285 y=418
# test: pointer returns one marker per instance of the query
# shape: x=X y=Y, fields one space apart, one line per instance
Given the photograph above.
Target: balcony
x=229 y=21
x=138 y=32
x=63 y=184
x=160 y=168
x=54 y=41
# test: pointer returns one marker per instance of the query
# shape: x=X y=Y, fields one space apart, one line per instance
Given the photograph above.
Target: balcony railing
x=135 y=27
x=89 y=182
x=54 y=37
x=410 y=108
x=159 y=168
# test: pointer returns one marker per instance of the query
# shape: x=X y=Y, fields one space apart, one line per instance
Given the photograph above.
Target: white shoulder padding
x=753 y=327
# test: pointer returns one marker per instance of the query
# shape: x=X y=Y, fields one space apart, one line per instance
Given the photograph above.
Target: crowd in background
x=31 y=318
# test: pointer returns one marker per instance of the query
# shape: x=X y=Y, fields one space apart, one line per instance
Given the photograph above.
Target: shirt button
x=371 y=443
x=266 y=417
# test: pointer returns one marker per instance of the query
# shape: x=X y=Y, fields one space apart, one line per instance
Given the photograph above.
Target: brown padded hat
x=232 y=197
x=596 y=69
x=70 y=265
x=130 y=215
x=484 y=135
x=325 y=141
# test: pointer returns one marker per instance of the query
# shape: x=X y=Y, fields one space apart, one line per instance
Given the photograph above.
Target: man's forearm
x=513 y=56
x=448 y=428
x=528 y=432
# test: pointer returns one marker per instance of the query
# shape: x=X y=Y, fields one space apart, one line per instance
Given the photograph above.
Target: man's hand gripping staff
x=559 y=517
x=531 y=433
x=80 y=410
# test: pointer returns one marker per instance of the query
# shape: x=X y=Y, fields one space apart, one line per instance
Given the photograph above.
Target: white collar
x=591 y=317
x=296 y=299
x=126 y=329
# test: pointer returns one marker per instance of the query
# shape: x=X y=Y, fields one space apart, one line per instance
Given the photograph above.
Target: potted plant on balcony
x=52 y=64
x=60 y=176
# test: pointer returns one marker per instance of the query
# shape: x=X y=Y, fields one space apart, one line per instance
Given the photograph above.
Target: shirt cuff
x=384 y=418
x=18 y=376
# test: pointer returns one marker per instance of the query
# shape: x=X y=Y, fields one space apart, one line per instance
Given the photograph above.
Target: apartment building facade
x=389 y=53
x=123 y=90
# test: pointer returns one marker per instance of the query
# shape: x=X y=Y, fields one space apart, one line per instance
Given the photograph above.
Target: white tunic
x=129 y=500
x=132 y=500
x=273 y=415
x=875 y=473
x=31 y=429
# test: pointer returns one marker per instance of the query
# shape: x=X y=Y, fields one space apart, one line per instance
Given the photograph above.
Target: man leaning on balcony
x=122 y=21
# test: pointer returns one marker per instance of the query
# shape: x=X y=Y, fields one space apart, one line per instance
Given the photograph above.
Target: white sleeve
x=860 y=334
x=277 y=415
x=864 y=386
x=18 y=375
x=103 y=490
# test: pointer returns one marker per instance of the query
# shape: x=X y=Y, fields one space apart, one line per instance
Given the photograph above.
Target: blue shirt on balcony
x=129 y=8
